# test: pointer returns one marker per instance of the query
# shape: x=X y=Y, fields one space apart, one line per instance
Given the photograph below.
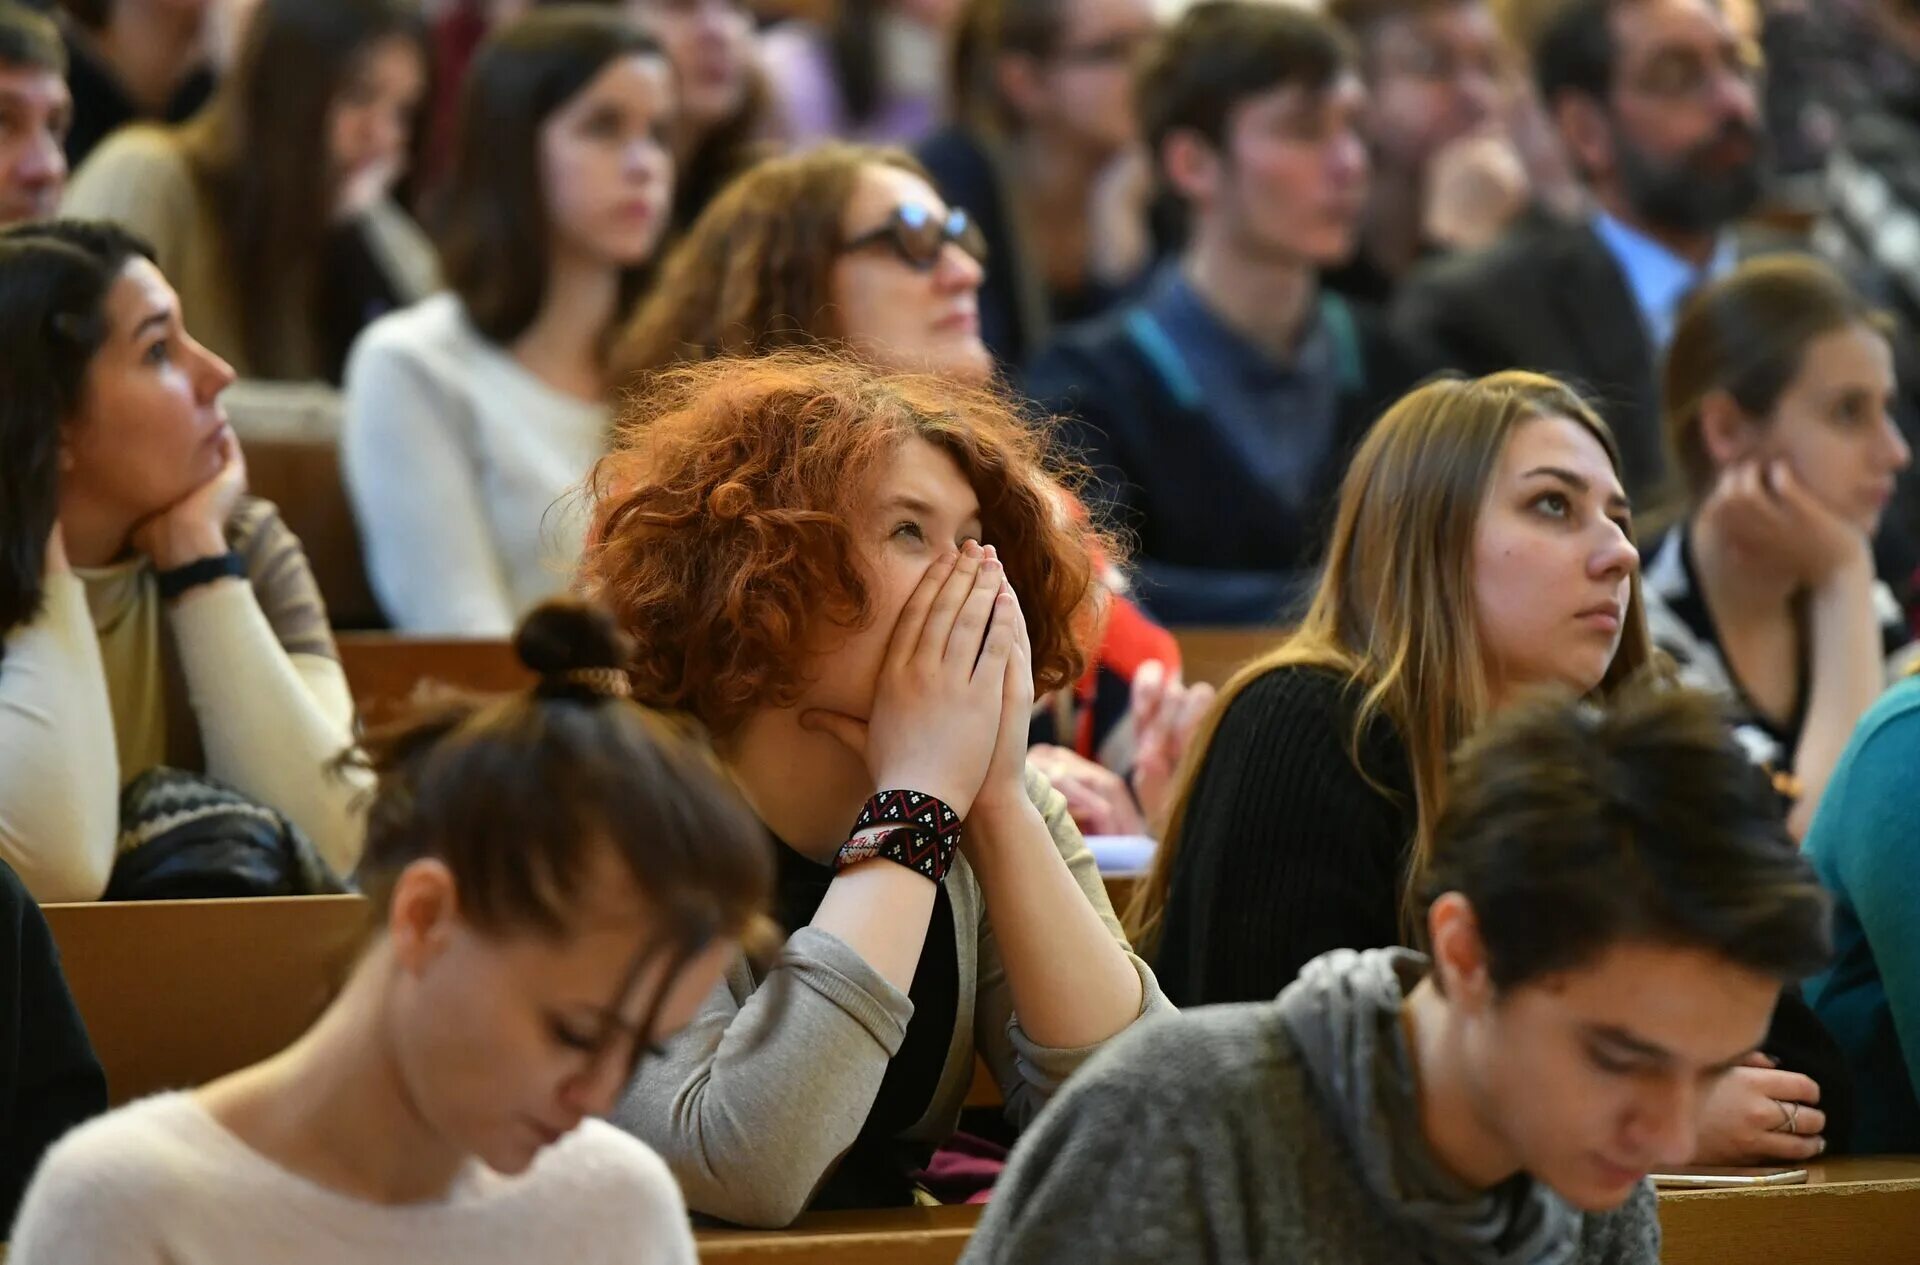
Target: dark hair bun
x=564 y=636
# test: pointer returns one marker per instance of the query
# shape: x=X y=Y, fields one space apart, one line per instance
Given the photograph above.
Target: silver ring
x=1786 y=1117
x=1793 y=1118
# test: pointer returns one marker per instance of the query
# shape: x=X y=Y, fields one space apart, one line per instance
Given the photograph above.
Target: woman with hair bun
x=557 y=881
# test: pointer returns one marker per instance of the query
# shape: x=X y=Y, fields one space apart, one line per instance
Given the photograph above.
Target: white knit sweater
x=162 y=1181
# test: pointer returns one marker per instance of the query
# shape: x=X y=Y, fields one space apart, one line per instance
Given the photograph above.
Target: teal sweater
x=1865 y=844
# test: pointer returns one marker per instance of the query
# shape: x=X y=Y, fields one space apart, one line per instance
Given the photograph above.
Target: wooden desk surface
x=1892 y=1172
x=1852 y=1211
x=891 y=1236
x=1863 y=1211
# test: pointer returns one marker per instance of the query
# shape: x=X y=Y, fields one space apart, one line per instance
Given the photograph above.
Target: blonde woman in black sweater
x=1483 y=547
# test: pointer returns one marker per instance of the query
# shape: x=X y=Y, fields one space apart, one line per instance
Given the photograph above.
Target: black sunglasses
x=918 y=236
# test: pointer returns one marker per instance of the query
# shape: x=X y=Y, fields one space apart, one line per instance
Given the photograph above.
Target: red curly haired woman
x=849 y=247
x=856 y=581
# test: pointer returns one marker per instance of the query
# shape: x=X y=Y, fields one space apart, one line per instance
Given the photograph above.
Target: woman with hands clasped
x=152 y=613
x=849 y=246
x=856 y=582
x=1778 y=390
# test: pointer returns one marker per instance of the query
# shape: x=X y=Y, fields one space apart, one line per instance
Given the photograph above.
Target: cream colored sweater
x=161 y=1182
x=237 y=680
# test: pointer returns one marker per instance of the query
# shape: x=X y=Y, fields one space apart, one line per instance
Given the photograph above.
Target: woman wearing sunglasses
x=850 y=245
x=843 y=244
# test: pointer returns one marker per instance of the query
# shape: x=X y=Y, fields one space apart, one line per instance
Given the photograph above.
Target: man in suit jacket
x=1657 y=103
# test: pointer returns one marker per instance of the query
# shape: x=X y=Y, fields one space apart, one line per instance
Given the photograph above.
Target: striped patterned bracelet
x=909 y=828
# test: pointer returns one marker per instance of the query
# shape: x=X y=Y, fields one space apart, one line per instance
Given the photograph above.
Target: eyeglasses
x=918 y=236
x=1442 y=65
x=1115 y=50
x=1683 y=75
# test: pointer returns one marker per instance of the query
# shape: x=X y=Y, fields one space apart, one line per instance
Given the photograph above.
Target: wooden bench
x=1856 y=1211
x=385 y=668
x=177 y=992
x=892 y=1236
x=1213 y=655
x=302 y=478
x=1852 y=1211
x=390 y=665
x=386 y=671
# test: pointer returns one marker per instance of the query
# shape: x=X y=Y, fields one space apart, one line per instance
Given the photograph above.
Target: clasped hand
x=951 y=707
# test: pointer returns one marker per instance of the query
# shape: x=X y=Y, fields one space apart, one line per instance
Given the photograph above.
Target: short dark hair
x=30 y=40
x=1571 y=828
x=493 y=234
x=1573 y=50
x=54 y=280
x=1220 y=53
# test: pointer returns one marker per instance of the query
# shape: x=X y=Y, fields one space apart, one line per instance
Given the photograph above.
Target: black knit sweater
x=1287 y=850
x=49 y=1077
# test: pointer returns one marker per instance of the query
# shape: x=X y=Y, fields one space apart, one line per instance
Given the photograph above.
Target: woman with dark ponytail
x=557 y=881
x=155 y=620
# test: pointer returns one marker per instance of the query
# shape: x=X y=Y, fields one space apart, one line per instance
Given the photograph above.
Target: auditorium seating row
x=175 y=993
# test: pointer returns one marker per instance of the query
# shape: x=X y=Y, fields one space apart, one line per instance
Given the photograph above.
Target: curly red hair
x=721 y=521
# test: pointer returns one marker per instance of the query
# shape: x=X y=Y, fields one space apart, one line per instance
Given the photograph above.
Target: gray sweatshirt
x=755 y=1102
x=1281 y=1131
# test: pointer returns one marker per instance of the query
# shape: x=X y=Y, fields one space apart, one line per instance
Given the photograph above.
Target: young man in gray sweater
x=1615 y=907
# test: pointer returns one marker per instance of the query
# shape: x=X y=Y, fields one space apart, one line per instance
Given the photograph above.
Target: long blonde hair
x=1394 y=611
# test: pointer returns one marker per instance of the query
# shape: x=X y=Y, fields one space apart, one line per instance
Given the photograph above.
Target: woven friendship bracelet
x=909 y=828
